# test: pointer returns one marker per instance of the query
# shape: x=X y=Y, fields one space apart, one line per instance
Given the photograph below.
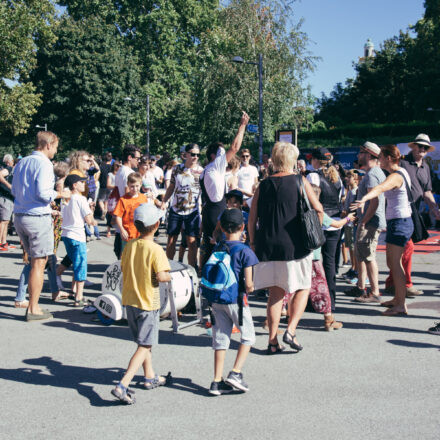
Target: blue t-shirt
x=240 y=260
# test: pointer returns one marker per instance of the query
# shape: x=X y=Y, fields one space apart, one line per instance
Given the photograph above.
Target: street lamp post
x=42 y=126
x=259 y=64
x=129 y=99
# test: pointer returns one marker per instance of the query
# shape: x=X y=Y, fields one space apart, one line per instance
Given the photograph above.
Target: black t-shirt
x=4 y=190
x=105 y=169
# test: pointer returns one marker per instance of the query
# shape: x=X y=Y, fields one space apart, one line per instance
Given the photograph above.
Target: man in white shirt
x=213 y=186
x=131 y=156
x=130 y=159
x=247 y=175
x=157 y=171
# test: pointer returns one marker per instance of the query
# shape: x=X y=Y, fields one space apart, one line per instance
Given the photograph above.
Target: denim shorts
x=77 y=252
x=399 y=231
x=190 y=222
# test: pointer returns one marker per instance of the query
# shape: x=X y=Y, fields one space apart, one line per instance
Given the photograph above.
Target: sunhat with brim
x=371 y=148
x=422 y=139
x=148 y=214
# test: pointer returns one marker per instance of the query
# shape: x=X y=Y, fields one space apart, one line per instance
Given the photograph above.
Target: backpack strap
x=240 y=301
x=408 y=189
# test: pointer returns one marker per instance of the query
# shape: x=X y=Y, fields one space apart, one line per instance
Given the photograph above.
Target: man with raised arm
x=213 y=186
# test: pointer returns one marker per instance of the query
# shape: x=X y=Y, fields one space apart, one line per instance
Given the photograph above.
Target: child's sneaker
x=236 y=380
x=218 y=388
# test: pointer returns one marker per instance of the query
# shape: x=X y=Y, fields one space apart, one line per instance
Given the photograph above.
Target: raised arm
x=394 y=180
x=236 y=143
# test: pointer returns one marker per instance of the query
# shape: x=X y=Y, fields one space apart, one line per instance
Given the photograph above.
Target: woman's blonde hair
x=284 y=156
x=75 y=159
x=329 y=171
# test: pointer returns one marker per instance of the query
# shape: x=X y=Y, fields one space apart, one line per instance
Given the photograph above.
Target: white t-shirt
x=157 y=172
x=246 y=177
x=73 y=217
x=121 y=178
x=214 y=177
x=111 y=179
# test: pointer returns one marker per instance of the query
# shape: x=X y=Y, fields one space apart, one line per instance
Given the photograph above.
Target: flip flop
x=61 y=295
x=21 y=304
x=80 y=303
x=391 y=312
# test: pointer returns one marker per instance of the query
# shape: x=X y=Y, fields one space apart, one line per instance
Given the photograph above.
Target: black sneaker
x=435 y=330
x=218 y=388
x=236 y=380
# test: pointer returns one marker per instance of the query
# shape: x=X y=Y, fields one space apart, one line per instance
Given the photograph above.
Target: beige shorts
x=366 y=243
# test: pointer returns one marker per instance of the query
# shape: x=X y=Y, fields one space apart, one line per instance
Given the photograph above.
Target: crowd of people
x=225 y=201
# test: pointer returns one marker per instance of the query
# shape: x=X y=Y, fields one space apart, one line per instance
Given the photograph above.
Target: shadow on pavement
x=66 y=376
x=412 y=344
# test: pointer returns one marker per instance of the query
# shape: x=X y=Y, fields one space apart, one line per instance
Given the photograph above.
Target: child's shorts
x=77 y=252
x=144 y=325
x=226 y=316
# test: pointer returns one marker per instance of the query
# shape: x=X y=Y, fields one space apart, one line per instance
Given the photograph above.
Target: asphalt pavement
x=376 y=378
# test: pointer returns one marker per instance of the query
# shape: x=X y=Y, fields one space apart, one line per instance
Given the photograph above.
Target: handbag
x=420 y=232
x=311 y=229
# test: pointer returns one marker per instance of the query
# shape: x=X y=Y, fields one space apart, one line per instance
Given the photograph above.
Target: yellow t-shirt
x=140 y=262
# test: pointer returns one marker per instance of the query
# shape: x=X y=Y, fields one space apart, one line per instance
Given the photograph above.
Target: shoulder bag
x=420 y=232
x=311 y=229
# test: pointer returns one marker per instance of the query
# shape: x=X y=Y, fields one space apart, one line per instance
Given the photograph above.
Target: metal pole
x=260 y=107
x=45 y=127
x=148 y=125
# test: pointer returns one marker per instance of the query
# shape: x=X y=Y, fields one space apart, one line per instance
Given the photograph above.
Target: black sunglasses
x=195 y=154
x=245 y=155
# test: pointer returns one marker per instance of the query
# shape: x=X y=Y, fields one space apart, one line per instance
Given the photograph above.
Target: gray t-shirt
x=374 y=177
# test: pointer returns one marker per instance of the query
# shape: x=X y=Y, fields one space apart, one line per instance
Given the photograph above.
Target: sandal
x=21 y=304
x=389 y=303
x=125 y=395
x=289 y=340
x=278 y=349
x=61 y=295
x=156 y=381
x=393 y=312
x=80 y=303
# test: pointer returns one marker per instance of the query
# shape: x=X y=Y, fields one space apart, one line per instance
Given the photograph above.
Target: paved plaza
x=377 y=378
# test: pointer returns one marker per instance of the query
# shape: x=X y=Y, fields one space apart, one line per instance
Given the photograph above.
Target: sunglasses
x=195 y=154
x=245 y=155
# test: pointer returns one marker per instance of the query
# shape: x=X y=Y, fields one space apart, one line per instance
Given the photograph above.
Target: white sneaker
x=60 y=283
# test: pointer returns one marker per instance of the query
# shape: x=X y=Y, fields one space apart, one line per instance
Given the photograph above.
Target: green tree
x=84 y=78
x=24 y=24
x=165 y=35
x=222 y=88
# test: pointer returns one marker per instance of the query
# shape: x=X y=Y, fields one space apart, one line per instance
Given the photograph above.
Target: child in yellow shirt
x=144 y=264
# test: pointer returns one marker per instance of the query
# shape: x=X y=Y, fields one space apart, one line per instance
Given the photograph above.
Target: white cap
x=148 y=214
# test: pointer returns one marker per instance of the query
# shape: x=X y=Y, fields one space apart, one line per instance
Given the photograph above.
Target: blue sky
x=339 y=29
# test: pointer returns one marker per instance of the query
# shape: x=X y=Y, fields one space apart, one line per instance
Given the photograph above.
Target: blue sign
x=252 y=128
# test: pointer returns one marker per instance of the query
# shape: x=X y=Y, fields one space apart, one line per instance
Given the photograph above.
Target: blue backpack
x=219 y=283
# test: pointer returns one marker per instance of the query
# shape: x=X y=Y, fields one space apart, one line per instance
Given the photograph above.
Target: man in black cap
x=421 y=189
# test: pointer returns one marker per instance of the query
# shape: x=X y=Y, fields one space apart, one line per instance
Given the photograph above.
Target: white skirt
x=288 y=275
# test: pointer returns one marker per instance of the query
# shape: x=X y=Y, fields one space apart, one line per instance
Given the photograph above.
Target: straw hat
x=422 y=139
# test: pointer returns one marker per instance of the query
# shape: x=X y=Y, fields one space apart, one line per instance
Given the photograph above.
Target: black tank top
x=329 y=196
x=278 y=237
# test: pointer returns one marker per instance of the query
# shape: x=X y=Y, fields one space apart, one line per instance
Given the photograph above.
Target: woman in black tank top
x=285 y=264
